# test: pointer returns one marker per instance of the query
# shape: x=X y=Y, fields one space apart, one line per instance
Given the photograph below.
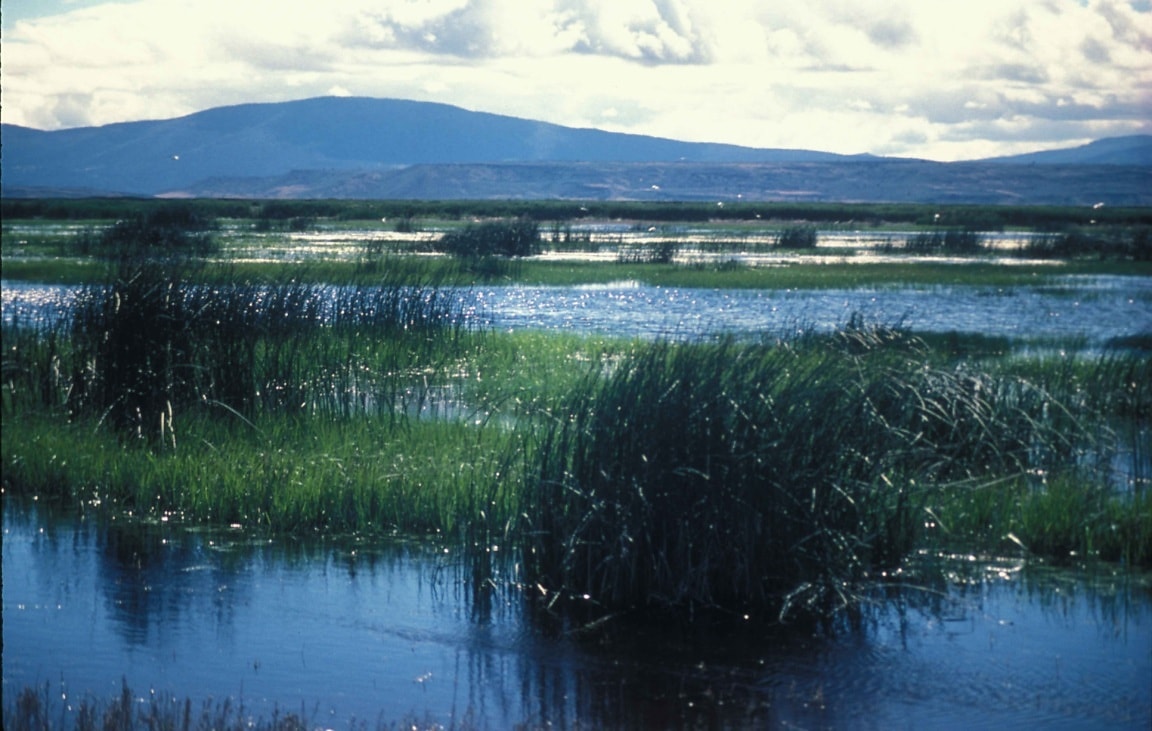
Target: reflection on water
x=373 y=630
x=1094 y=309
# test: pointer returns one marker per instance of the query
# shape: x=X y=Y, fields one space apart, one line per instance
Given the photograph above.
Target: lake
x=340 y=628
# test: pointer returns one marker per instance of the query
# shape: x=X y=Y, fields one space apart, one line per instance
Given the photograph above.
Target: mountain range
x=384 y=148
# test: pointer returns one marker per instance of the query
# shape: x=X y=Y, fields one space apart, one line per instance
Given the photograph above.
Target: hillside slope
x=330 y=133
x=385 y=148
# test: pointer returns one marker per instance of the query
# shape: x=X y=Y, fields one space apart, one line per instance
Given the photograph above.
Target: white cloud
x=916 y=77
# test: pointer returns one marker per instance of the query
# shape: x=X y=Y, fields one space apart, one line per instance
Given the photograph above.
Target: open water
x=1094 y=309
x=340 y=629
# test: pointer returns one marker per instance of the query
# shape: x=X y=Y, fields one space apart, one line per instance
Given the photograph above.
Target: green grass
x=43 y=251
x=1065 y=519
x=272 y=475
x=765 y=478
x=852 y=214
x=815 y=276
x=748 y=479
x=831 y=275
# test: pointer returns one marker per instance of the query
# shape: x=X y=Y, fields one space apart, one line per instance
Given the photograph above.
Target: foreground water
x=341 y=629
x=1094 y=309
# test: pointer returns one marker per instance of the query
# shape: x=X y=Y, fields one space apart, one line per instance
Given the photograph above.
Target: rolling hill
x=384 y=148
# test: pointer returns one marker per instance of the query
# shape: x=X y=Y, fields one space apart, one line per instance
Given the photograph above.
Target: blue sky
x=923 y=78
x=14 y=10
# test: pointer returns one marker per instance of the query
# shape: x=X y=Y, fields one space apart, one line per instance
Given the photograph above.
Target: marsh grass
x=827 y=275
x=947 y=241
x=158 y=340
x=655 y=253
x=1092 y=242
x=273 y=475
x=773 y=479
x=34 y=710
x=797 y=237
x=1064 y=518
x=768 y=479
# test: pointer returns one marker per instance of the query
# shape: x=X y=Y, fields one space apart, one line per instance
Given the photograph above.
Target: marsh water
x=1091 y=309
x=338 y=629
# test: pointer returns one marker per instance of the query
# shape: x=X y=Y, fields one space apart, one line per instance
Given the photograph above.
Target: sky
x=934 y=79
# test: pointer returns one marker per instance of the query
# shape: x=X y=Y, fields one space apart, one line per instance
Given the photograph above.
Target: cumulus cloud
x=887 y=76
x=645 y=30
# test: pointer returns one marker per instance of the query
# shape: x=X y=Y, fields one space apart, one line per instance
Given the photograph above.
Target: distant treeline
x=983 y=217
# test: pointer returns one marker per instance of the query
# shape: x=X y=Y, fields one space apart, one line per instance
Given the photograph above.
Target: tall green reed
x=762 y=479
x=164 y=337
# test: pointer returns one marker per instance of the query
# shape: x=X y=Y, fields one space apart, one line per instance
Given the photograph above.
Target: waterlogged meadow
x=757 y=479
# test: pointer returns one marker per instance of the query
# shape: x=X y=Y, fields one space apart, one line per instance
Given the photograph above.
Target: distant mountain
x=331 y=133
x=384 y=148
x=888 y=180
x=1130 y=150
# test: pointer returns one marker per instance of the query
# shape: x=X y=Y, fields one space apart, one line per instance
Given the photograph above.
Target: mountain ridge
x=332 y=144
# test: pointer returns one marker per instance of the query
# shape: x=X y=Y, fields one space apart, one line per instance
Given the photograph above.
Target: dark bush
x=1092 y=242
x=514 y=238
x=163 y=232
x=663 y=252
x=797 y=237
x=950 y=241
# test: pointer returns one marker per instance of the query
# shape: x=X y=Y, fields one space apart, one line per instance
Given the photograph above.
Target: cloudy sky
x=938 y=79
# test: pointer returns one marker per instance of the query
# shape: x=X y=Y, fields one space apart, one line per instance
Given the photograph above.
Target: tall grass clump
x=1094 y=242
x=662 y=252
x=759 y=479
x=163 y=337
x=509 y=238
x=38 y=709
x=949 y=241
x=797 y=237
x=169 y=231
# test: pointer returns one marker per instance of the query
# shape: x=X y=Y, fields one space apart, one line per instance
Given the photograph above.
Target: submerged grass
x=39 y=709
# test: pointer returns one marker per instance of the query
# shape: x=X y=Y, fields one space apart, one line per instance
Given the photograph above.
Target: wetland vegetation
x=758 y=477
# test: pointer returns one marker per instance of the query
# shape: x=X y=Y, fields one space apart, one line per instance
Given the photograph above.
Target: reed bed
x=158 y=341
x=748 y=478
x=765 y=479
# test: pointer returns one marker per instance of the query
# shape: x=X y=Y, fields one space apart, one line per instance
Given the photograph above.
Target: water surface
x=380 y=630
x=1095 y=309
